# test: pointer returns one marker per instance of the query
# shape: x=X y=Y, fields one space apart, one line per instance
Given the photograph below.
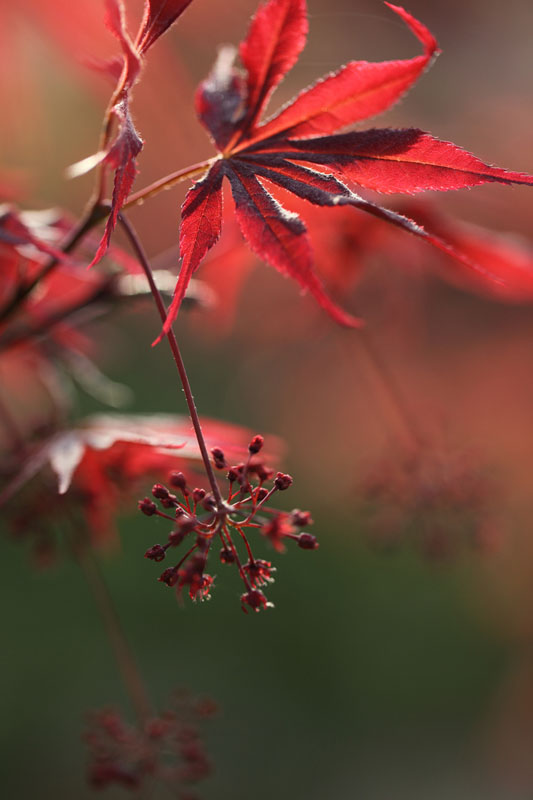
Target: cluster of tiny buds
x=438 y=499
x=200 y=519
x=166 y=748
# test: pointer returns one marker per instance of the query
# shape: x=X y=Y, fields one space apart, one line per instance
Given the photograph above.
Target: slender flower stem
x=121 y=648
x=391 y=388
x=139 y=251
x=168 y=181
x=392 y=396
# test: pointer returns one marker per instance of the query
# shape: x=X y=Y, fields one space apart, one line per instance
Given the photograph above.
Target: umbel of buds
x=167 y=747
x=199 y=521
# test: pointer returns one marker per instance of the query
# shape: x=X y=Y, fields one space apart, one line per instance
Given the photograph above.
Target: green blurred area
x=370 y=678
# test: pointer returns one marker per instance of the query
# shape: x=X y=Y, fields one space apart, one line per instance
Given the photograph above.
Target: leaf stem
x=168 y=181
x=141 y=255
x=113 y=626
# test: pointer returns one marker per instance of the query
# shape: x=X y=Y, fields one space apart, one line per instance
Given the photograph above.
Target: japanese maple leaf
x=294 y=150
x=121 y=156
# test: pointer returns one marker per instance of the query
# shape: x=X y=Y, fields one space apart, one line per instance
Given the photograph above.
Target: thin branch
x=141 y=255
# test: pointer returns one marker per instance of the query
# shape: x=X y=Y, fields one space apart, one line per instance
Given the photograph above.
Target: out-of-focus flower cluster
x=166 y=748
x=439 y=501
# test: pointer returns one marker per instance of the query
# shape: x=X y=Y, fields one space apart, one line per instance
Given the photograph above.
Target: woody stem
x=139 y=252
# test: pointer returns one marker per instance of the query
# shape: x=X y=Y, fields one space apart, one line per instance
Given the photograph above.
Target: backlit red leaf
x=357 y=91
x=279 y=237
x=275 y=40
x=326 y=190
x=399 y=161
x=115 y=20
x=159 y=15
x=200 y=229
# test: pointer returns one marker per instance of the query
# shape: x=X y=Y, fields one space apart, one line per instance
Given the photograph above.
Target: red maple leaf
x=294 y=150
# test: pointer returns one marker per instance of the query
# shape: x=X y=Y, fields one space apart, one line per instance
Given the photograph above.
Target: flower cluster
x=200 y=519
x=167 y=748
x=441 y=501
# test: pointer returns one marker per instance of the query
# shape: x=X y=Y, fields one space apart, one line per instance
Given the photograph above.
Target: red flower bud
x=256 y=444
x=155 y=553
x=218 y=457
x=282 y=481
x=178 y=481
x=307 y=541
x=147 y=506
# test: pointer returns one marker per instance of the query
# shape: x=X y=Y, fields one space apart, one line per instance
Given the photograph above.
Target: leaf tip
x=419 y=29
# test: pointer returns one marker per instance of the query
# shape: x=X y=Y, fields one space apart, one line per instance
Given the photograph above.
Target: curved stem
x=121 y=648
x=139 y=251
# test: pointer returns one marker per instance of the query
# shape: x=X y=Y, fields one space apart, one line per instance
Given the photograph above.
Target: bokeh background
x=382 y=672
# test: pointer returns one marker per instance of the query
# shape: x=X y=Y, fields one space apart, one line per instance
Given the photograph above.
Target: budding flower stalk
x=200 y=522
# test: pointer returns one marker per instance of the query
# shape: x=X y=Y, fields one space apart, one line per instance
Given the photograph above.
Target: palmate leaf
x=294 y=150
